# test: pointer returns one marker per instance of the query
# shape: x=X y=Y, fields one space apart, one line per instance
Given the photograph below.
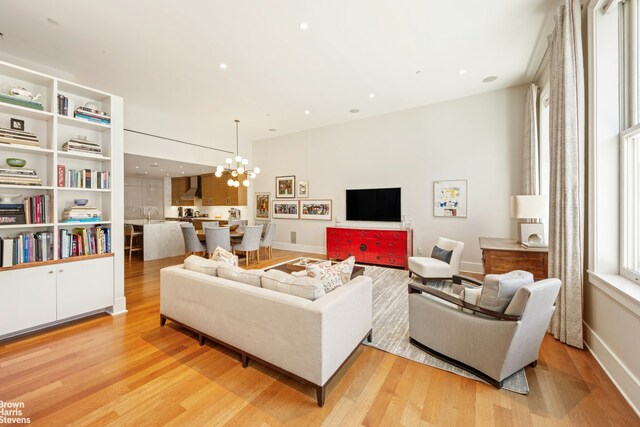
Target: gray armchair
x=490 y=344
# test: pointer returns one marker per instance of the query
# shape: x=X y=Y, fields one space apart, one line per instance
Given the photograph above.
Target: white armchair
x=432 y=268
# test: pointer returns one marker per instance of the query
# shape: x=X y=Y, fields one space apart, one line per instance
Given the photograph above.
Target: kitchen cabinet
x=216 y=192
x=179 y=186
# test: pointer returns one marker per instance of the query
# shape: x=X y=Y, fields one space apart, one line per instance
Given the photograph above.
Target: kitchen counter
x=162 y=239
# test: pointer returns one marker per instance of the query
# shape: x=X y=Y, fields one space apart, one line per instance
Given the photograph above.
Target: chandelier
x=240 y=171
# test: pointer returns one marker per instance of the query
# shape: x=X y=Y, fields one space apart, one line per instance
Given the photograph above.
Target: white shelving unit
x=78 y=286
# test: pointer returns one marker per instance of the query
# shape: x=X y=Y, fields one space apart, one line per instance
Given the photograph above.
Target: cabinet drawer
x=398 y=235
x=499 y=262
x=391 y=260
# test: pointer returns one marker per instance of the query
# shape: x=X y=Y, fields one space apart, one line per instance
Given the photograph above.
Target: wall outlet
x=419 y=251
x=292 y=238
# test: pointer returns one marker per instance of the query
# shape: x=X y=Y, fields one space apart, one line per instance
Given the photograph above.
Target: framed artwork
x=285 y=187
x=285 y=209
x=17 y=124
x=303 y=189
x=450 y=198
x=315 y=209
x=262 y=205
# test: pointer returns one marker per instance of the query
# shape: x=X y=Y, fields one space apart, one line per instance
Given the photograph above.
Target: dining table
x=236 y=234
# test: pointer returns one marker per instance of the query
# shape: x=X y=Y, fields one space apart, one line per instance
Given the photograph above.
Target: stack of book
x=18 y=137
x=37 y=209
x=27 y=247
x=83 y=178
x=81 y=214
x=64 y=105
x=12 y=214
x=97 y=116
x=81 y=145
x=20 y=101
x=85 y=241
x=19 y=176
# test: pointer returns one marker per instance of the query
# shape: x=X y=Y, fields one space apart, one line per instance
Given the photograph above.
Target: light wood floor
x=127 y=370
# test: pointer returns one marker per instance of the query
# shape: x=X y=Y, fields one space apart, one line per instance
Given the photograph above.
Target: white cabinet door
x=27 y=298
x=84 y=286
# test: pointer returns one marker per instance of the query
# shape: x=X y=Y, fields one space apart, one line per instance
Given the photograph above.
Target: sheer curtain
x=530 y=178
x=566 y=163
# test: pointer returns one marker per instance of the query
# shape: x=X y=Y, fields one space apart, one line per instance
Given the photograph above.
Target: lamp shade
x=529 y=207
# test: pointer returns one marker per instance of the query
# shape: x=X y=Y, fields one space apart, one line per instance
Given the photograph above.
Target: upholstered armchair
x=490 y=343
x=442 y=264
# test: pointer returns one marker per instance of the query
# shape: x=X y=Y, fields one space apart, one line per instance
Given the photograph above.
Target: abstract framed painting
x=450 y=198
x=315 y=209
x=303 y=189
x=285 y=209
x=262 y=205
x=286 y=187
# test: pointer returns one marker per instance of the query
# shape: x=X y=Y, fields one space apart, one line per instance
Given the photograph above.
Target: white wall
x=476 y=138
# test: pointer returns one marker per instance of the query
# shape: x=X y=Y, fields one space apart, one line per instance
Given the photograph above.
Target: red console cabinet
x=380 y=247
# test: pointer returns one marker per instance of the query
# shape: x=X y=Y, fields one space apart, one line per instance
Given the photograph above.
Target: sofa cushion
x=201 y=265
x=499 y=289
x=239 y=274
x=332 y=276
x=305 y=287
x=429 y=267
x=441 y=254
x=224 y=256
x=471 y=296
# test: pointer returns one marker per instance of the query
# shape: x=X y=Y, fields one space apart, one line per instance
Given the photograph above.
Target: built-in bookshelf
x=87 y=146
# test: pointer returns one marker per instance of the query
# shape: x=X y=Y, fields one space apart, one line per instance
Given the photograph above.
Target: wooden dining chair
x=131 y=238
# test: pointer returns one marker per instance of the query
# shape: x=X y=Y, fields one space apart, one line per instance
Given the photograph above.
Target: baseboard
x=471 y=267
x=300 y=248
x=119 y=307
x=616 y=370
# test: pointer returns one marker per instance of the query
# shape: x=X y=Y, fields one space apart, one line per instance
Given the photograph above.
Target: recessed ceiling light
x=180 y=166
x=182 y=172
x=372 y=95
x=201 y=169
x=137 y=167
x=272 y=130
x=161 y=170
x=146 y=172
x=354 y=111
x=304 y=26
x=167 y=174
x=462 y=71
x=223 y=66
x=52 y=21
x=307 y=112
x=490 y=79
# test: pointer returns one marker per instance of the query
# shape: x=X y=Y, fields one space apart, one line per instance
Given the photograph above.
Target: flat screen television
x=376 y=204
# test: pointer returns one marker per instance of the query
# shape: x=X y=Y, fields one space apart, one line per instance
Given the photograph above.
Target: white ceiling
x=151 y=167
x=164 y=55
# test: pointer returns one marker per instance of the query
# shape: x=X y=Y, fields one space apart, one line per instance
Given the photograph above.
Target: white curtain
x=530 y=177
x=566 y=164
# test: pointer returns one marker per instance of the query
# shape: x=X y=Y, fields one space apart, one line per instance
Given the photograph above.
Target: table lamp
x=531 y=207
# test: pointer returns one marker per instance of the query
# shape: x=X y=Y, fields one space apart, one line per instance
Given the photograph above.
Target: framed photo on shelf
x=262 y=205
x=303 y=189
x=286 y=209
x=450 y=198
x=17 y=124
x=315 y=209
x=286 y=187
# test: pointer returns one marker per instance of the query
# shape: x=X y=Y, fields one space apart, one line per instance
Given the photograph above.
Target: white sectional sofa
x=308 y=340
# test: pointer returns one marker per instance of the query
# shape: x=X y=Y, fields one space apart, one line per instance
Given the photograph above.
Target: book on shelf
x=81 y=214
x=11 y=214
x=22 y=102
x=83 y=178
x=27 y=247
x=64 y=105
x=84 y=241
x=17 y=137
x=79 y=115
x=15 y=179
x=82 y=145
x=92 y=112
x=17 y=171
x=38 y=209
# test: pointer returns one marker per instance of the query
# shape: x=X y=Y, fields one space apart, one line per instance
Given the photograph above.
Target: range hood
x=194 y=189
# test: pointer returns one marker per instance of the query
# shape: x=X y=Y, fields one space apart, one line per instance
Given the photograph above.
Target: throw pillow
x=346 y=268
x=441 y=254
x=317 y=269
x=470 y=295
x=224 y=256
x=304 y=287
x=332 y=276
x=201 y=265
x=239 y=274
x=499 y=289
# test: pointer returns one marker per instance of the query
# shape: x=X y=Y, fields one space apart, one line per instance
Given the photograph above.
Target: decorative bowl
x=17 y=163
x=80 y=202
x=234 y=227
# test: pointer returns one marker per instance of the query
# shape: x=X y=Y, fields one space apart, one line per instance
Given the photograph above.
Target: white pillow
x=224 y=256
x=499 y=289
x=238 y=274
x=201 y=265
x=469 y=295
x=333 y=276
x=304 y=287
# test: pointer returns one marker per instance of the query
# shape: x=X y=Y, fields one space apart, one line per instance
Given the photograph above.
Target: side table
x=503 y=255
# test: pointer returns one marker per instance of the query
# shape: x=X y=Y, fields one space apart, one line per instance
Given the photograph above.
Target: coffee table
x=295 y=265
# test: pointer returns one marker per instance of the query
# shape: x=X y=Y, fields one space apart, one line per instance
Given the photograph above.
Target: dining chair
x=131 y=237
x=210 y=224
x=250 y=242
x=192 y=244
x=217 y=236
x=267 y=240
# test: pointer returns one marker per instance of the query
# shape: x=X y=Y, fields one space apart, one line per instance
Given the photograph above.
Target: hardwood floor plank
x=127 y=370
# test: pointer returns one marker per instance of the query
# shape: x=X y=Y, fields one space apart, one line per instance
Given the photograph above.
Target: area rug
x=391 y=324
